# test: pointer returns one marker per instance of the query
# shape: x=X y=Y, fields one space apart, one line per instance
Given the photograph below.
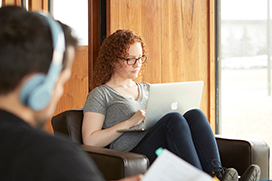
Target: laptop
x=169 y=97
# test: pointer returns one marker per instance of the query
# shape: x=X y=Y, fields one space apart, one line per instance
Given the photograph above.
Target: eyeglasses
x=132 y=61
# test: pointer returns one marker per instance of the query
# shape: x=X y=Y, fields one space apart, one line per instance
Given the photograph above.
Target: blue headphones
x=37 y=91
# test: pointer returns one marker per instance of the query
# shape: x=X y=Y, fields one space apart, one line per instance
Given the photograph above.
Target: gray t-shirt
x=117 y=108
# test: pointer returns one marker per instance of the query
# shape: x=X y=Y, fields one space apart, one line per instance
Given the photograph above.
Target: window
x=75 y=14
x=244 y=69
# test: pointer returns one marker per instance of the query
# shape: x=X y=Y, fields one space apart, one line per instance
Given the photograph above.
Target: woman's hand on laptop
x=137 y=118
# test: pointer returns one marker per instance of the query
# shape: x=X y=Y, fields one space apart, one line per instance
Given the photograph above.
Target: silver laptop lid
x=172 y=97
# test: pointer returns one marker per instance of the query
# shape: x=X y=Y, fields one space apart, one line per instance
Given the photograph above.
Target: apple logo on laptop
x=174 y=105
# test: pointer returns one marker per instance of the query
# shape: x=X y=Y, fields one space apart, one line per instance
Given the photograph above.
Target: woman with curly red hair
x=118 y=102
x=114 y=47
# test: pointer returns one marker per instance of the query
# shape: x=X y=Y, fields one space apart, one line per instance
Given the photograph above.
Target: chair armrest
x=116 y=164
x=240 y=153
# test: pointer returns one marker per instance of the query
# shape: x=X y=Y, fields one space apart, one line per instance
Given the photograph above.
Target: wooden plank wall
x=34 y=5
x=11 y=2
x=177 y=34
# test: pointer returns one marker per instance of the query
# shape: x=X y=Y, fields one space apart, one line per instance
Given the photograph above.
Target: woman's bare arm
x=94 y=135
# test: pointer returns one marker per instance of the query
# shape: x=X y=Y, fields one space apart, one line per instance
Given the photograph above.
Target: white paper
x=169 y=167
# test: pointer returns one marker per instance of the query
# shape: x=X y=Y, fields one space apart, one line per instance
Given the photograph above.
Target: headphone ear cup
x=41 y=97
x=32 y=91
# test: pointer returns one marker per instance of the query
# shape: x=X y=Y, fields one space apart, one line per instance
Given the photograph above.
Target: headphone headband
x=57 y=37
x=37 y=91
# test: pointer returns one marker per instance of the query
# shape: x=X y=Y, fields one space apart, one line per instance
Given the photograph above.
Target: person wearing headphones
x=36 y=56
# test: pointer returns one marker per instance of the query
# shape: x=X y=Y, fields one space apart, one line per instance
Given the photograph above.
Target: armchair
x=236 y=153
x=113 y=164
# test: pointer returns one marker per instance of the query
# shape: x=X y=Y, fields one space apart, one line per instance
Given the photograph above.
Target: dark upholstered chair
x=112 y=163
x=236 y=153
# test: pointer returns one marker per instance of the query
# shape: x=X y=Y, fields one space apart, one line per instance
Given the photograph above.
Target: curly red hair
x=114 y=46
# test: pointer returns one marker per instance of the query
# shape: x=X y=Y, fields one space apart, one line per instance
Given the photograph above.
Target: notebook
x=170 y=167
x=169 y=97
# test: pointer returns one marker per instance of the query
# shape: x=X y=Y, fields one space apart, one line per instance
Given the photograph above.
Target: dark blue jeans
x=189 y=136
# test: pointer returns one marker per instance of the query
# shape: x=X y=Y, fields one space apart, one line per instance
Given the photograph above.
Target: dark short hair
x=25 y=45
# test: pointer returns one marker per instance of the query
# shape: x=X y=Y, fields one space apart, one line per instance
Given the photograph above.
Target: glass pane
x=245 y=69
x=75 y=14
